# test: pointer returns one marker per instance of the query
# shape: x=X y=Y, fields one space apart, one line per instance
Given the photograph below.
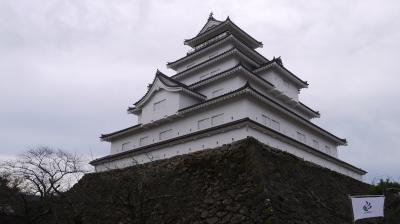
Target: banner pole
x=352 y=212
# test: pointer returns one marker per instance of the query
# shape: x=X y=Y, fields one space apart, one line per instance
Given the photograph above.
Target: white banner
x=367 y=206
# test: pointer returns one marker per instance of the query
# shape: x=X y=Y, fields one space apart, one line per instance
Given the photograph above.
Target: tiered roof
x=171 y=84
x=249 y=55
x=228 y=37
x=216 y=129
x=220 y=27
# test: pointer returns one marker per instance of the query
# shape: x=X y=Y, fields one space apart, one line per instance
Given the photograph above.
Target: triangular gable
x=211 y=22
x=276 y=63
x=162 y=81
x=219 y=27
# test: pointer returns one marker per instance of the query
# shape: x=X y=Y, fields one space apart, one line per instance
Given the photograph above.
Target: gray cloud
x=69 y=69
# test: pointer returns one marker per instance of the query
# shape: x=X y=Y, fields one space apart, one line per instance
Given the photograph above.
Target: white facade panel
x=287 y=125
x=235 y=110
x=205 y=72
x=221 y=86
x=206 y=55
x=163 y=103
x=219 y=139
x=281 y=83
x=194 y=145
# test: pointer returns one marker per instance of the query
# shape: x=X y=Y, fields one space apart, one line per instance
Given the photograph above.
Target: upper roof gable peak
x=211 y=22
x=162 y=81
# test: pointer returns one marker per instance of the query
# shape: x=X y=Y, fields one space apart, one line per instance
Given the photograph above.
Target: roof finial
x=210 y=17
x=278 y=60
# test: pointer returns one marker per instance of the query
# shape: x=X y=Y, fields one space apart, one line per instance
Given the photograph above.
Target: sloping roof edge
x=160 y=76
x=277 y=61
x=227 y=22
x=243 y=121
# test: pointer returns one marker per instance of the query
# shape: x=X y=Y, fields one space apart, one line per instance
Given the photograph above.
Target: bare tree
x=44 y=173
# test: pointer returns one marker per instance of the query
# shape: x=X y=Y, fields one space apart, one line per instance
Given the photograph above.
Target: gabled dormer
x=284 y=80
x=164 y=97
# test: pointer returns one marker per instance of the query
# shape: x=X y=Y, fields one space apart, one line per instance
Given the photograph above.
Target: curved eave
x=110 y=136
x=229 y=72
x=309 y=110
x=221 y=128
x=177 y=87
x=311 y=113
x=275 y=64
x=248 y=89
x=227 y=25
x=230 y=37
x=215 y=59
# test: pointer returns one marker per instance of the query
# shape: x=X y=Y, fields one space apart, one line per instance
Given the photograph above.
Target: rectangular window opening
x=315 y=144
x=143 y=140
x=125 y=146
x=158 y=105
x=275 y=125
x=217 y=119
x=266 y=120
x=301 y=137
x=203 y=123
x=217 y=92
x=165 y=134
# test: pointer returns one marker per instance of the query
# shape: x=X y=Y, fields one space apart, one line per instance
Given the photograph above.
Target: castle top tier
x=213 y=30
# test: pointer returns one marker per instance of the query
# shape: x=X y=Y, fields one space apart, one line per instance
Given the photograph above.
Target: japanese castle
x=223 y=91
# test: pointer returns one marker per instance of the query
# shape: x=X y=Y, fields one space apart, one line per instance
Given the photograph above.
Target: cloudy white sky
x=70 y=68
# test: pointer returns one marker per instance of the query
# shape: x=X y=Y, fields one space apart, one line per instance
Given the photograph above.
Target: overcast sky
x=70 y=68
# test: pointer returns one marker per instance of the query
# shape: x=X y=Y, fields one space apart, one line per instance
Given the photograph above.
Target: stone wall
x=243 y=182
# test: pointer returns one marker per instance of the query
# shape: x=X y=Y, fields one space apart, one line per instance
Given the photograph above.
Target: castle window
x=143 y=140
x=217 y=119
x=275 y=125
x=158 y=105
x=217 y=92
x=315 y=144
x=165 y=134
x=125 y=146
x=327 y=149
x=266 y=120
x=215 y=71
x=203 y=123
x=301 y=137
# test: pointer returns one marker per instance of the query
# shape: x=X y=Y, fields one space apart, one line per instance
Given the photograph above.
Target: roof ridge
x=275 y=60
x=229 y=35
x=162 y=75
x=227 y=21
x=216 y=56
x=248 y=86
x=238 y=65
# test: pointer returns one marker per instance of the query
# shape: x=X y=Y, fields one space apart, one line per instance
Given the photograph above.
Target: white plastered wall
x=222 y=65
x=194 y=145
x=170 y=106
x=219 y=139
x=211 y=52
x=288 y=126
x=231 y=110
x=283 y=84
